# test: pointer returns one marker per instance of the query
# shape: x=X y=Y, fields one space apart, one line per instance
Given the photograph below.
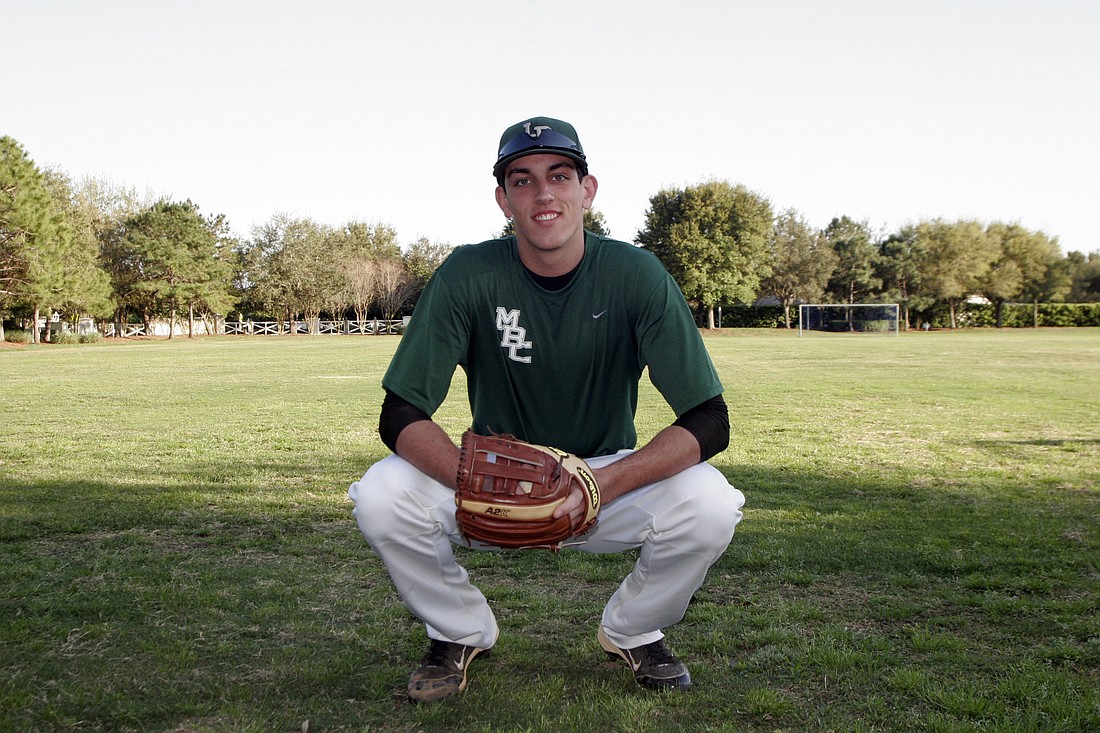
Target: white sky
x=391 y=111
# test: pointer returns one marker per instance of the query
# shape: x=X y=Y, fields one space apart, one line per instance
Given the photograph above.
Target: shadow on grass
x=155 y=496
x=795 y=519
x=203 y=601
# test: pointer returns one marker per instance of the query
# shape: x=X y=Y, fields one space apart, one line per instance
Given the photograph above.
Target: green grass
x=919 y=550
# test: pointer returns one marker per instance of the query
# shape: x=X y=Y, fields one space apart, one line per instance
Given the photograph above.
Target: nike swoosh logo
x=461 y=660
x=598 y=315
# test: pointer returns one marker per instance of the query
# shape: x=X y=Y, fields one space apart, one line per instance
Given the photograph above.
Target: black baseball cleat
x=442 y=672
x=654 y=666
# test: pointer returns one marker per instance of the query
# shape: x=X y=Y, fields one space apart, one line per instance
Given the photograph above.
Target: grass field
x=920 y=549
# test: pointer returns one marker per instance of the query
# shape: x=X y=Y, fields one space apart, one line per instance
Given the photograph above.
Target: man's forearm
x=671 y=451
x=427 y=447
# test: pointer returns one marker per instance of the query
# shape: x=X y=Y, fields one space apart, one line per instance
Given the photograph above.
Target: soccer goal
x=880 y=318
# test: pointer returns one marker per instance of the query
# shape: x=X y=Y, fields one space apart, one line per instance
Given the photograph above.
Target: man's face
x=545 y=197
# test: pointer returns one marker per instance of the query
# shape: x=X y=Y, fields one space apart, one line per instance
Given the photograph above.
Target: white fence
x=266 y=328
x=156 y=328
x=282 y=328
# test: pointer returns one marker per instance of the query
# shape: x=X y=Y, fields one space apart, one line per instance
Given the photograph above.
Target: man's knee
x=713 y=504
x=381 y=496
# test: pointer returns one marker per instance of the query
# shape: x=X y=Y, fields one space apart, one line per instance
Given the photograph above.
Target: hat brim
x=502 y=165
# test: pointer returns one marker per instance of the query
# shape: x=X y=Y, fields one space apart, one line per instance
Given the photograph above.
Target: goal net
x=880 y=318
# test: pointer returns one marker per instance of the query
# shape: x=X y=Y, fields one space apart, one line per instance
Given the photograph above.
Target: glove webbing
x=515 y=468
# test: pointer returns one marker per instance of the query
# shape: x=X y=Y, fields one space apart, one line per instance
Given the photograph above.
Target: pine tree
x=34 y=237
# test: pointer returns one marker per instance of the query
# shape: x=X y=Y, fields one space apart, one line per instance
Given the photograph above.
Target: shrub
x=1069 y=314
x=17 y=337
x=1018 y=315
x=748 y=316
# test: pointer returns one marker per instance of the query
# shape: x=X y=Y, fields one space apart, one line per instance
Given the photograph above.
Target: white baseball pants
x=682 y=525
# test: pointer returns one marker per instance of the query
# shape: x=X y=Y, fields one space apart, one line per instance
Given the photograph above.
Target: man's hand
x=574 y=506
x=671 y=451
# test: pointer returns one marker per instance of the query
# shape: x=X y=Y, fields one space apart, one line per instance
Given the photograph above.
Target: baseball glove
x=508 y=490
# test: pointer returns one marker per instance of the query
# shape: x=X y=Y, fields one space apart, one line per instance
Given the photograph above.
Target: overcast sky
x=390 y=112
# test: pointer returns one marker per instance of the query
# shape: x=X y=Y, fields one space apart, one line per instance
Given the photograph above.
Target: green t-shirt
x=557 y=368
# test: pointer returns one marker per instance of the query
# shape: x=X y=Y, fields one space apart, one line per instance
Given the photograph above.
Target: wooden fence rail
x=269 y=328
x=282 y=328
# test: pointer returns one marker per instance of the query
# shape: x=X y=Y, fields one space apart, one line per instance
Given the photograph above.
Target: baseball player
x=553 y=327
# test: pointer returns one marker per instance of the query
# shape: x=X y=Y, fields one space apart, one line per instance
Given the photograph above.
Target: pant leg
x=408 y=519
x=682 y=525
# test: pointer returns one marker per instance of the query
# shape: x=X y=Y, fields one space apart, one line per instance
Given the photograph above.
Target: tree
x=109 y=206
x=713 y=240
x=176 y=256
x=25 y=210
x=87 y=286
x=857 y=256
x=801 y=262
x=213 y=293
x=957 y=256
x=295 y=270
x=901 y=257
x=375 y=241
x=307 y=271
x=1025 y=266
x=1084 y=276
x=394 y=287
x=356 y=248
x=40 y=262
x=259 y=281
x=124 y=265
x=421 y=260
x=594 y=222
x=362 y=273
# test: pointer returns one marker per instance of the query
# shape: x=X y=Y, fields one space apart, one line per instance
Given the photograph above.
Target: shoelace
x=439 y=654
x=657 y=654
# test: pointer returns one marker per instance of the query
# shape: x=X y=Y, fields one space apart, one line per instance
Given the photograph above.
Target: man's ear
x=590 y=184
x=502 y=202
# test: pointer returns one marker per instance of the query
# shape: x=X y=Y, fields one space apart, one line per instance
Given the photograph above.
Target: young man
x=553 y=327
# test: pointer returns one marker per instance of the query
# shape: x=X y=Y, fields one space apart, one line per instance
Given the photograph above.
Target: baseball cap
x=539 y=135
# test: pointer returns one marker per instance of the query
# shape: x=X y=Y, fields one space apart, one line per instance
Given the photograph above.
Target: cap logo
x=536 y=131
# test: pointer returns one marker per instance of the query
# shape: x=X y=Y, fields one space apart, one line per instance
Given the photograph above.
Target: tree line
x=112 y=253
x=724 y=244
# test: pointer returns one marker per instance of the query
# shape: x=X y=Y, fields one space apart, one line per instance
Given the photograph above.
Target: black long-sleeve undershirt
x=708 y=422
